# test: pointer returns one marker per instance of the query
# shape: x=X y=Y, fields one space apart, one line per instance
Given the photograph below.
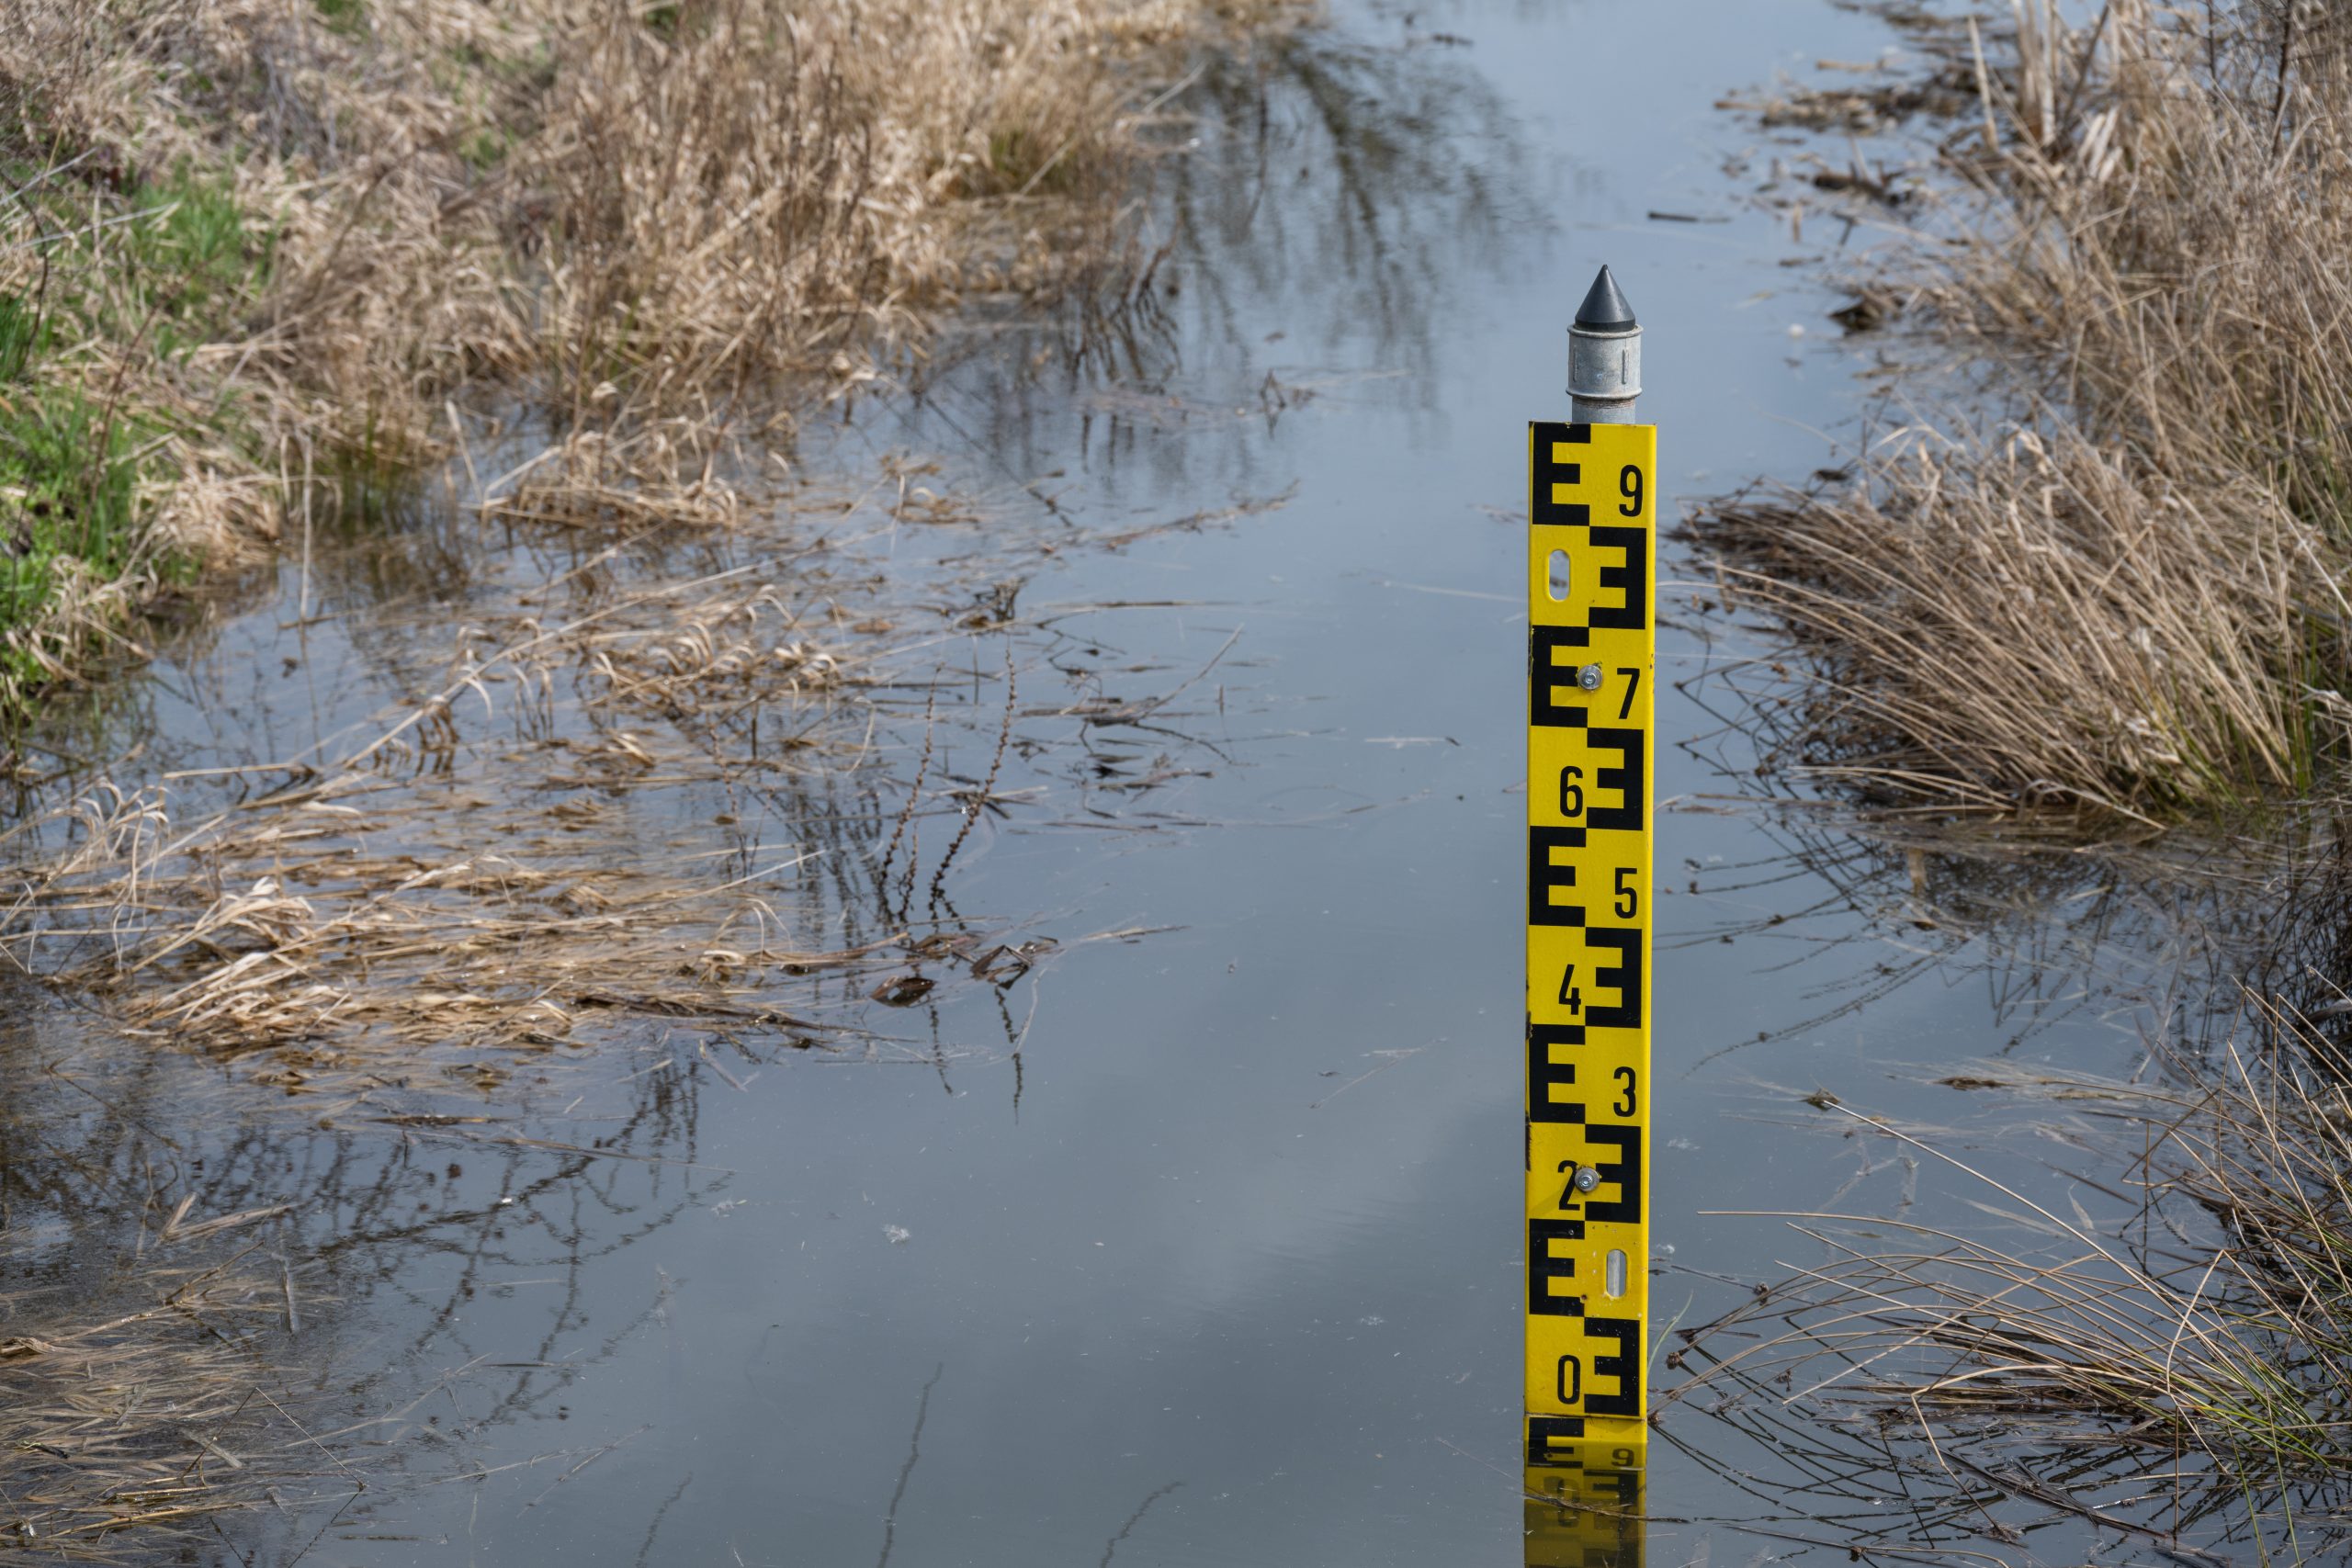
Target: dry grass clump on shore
x=2127 y=600
x=255 y=252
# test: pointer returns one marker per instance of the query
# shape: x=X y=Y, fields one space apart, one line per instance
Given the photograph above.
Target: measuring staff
x=1591 y=662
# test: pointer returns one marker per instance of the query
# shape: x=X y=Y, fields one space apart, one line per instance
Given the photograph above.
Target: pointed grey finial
x=1604 y=306
x=1604 y=356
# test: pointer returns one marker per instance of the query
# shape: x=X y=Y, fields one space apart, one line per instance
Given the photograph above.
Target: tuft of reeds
x=2127 y=598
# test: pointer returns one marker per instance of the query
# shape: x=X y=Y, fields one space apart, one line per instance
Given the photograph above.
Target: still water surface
x=1198 y=1246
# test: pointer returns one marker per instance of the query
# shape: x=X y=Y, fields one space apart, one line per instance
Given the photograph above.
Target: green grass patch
x=176 y=264
x=194 y=262
x=24 y=331
x=174 y=267
x=68 y=492
x=487 y=148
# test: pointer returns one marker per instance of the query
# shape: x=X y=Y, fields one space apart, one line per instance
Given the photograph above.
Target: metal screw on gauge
x=1586 y=1178
x=1589 y=677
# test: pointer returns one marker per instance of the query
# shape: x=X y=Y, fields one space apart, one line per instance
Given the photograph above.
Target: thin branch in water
x=914 y=1453
x=1135 y=1519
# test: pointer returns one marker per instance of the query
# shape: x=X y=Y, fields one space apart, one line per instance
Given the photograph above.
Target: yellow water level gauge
x=1591 y=681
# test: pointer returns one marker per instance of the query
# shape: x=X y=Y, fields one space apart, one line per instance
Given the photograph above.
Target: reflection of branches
x=1869 y=1483
x=1136 y=1519
x=1328 y=191
x=2055 y=928
x=1406 y=160
x=653 y=1528
x=356 y=1213
x=906 y=1471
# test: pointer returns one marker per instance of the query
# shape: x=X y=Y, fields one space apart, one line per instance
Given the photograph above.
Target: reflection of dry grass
x=2129 y=604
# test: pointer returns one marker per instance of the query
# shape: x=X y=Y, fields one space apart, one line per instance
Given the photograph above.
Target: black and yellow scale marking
x=1591 y=658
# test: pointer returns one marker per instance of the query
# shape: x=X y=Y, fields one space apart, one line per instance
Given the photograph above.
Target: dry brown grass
x=2128 y=600
x=708 y=213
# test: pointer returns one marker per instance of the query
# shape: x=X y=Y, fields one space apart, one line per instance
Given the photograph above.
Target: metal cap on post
x=1604 y=356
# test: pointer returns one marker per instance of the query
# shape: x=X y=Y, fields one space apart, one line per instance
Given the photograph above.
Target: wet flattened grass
x=142 y=1422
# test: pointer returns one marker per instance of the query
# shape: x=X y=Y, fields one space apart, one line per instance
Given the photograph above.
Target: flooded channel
x=1137 y=1180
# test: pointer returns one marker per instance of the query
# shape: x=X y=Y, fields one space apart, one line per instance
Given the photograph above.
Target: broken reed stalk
x=2127 y=602
x=904 y=828
x=987 y=792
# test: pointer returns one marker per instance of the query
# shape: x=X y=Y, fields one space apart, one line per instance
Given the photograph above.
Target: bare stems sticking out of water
x=2196 y=1328
x=981 y=799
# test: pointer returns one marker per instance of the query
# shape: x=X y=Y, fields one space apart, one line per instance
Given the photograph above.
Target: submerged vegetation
x=2128 y=599
x=255 y=257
